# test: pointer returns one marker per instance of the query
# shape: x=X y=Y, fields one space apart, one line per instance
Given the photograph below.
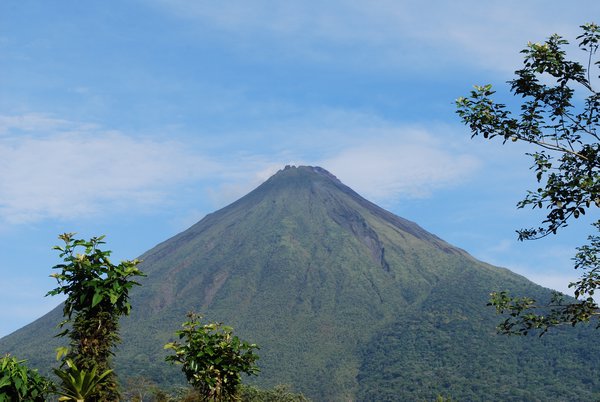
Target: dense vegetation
x=421 y=356
x=346 y=300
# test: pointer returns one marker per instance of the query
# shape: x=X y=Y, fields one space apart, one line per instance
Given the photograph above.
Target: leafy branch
x=566 y=163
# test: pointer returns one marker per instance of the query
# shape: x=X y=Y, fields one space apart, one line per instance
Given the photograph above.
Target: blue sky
x=134 y=119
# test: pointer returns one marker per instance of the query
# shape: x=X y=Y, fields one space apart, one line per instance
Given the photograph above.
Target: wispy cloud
x=30 y=122
x=411 y=163
x=53 y=168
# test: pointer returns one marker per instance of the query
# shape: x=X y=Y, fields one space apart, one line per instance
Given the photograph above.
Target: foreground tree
x=212 y=358
x=559 y=116
x=97 y=296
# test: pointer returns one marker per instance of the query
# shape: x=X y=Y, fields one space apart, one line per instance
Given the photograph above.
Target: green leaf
x=96 y=299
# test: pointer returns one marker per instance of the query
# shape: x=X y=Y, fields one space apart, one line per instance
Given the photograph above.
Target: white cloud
x=52 y=168
x=407 y=163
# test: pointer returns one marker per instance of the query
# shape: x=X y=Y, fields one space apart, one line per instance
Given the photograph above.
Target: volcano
x=346 y=300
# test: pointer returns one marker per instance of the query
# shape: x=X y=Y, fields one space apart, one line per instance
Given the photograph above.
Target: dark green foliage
x=333 y=287
x=20 y=383
x=559 y=116
x=212 y=358
x=98 y=295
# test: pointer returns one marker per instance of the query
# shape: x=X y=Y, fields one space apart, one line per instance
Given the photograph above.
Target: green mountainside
x=346 y=300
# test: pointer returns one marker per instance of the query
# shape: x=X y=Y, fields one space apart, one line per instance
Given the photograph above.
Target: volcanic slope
x=346 y=300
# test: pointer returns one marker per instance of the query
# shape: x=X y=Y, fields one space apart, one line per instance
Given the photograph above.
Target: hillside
x=346 y=300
